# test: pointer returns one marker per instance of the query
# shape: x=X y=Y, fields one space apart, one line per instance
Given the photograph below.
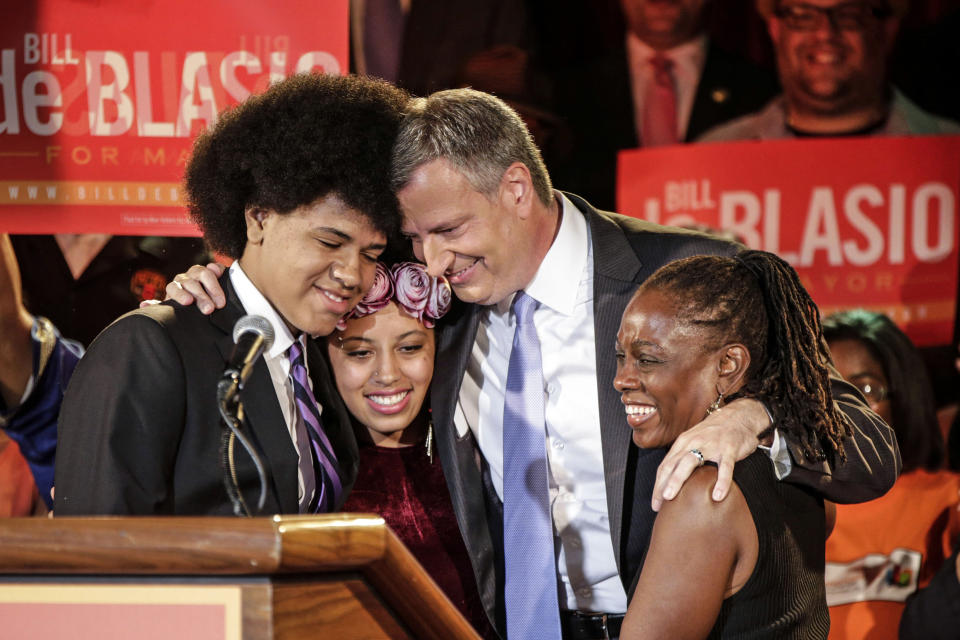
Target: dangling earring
x=716 y=403
x=430 y=439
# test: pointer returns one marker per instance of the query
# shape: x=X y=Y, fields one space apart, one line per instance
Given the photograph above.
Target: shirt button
x=584 y=592
x=551 y=388
x=558 y=444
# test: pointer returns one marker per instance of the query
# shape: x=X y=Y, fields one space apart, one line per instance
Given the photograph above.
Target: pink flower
x=379 y=294
x=412 y=287
x=439 y=301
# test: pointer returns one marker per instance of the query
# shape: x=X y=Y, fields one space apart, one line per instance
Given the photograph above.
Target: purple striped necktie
x=325 y=474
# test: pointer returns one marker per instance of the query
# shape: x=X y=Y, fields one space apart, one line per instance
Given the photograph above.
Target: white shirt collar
x=254 y=303
x=693 y=52
x=555 y=283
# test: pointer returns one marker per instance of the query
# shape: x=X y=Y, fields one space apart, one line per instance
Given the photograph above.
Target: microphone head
x=254 y=324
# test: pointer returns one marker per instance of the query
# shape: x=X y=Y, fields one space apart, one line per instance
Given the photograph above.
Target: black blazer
x=139 y=432
x=625 y=252
x=597 y=103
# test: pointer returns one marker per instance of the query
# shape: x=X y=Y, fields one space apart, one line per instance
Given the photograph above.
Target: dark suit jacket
x=139 y=432
x=597 y=103
x=625 y=252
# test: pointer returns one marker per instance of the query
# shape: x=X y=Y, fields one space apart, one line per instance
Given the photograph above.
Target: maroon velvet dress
x=410 y=493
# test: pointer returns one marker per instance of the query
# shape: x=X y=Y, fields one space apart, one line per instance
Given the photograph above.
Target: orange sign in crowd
x=869 y=222
x=100 y=101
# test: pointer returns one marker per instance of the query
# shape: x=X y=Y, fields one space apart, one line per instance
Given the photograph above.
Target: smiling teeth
x=462 y=271
x=333 y=296
x=639 y=410
x=387 y=401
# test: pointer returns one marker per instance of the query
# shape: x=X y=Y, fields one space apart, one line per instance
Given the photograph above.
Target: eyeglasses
x=873 y=391
x=850 y=16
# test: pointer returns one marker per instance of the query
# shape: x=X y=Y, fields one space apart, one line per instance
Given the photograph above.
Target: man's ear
x=732 y=368
x=516 y=189
x=255 y=218
x=773 y=28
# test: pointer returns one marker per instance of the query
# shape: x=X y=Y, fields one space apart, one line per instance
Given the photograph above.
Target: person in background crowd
x=479 y=208
x=882 y=551
x=282 y=185
x=832 y=57
x=35 y=365
x=698 y=333
x=665 y=82
x=933 y=613
x=422 y=45
x=83 y=282
x=382 y=356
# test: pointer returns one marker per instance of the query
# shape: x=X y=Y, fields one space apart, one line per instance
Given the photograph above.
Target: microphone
x=252 y=335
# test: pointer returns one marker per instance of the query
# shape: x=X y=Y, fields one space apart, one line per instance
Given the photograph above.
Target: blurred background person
x=35 y=365
x=933 y=613
x=82 y=282
x=882 y=551
x=422 y=45
x=382 y=357
x=832 y=57
x=662 y=81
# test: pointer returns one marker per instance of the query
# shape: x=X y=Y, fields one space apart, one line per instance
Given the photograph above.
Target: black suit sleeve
x=121 y=423
x=872 y=457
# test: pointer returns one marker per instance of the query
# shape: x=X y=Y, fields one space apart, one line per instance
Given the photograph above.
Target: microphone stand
x=231 y=413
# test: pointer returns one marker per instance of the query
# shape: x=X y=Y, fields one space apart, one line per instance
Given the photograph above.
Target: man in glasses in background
x=832 y=57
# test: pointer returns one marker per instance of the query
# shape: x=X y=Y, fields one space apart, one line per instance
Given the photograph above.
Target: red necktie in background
x=660 y=106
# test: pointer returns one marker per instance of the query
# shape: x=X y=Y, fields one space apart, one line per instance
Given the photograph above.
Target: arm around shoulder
x=872 y=458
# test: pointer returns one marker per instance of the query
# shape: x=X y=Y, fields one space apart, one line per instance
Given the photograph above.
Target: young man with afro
x=286 y=185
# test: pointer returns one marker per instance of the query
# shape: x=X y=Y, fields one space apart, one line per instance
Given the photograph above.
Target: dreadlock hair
x=756 y=299
x=913 y=414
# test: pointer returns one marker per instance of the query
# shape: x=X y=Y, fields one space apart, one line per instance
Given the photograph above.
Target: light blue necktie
x=533 y=612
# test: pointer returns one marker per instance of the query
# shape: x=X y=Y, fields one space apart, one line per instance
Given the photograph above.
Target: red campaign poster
x=869 y=222
x=100 y=101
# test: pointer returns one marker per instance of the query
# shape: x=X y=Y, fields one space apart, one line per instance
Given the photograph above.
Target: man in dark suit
x=478 y=205
x=279 y=186
x=609 y=97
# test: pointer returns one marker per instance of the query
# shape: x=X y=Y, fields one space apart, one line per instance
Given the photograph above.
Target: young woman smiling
x=382 y=360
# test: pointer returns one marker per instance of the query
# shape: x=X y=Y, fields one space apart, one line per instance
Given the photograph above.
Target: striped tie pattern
x=329 y=488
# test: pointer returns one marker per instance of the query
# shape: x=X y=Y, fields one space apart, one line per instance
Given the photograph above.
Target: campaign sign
x=866 y=222
x=100 y=101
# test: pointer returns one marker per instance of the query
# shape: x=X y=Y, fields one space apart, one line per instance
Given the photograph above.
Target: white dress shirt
x=277 y=359
x=688 y=60
x=563 y=286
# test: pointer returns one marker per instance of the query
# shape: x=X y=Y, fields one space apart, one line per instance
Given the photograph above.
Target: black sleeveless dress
x=784 y=598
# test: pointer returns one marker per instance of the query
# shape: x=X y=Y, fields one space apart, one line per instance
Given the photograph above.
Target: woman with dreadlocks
x=698 y=333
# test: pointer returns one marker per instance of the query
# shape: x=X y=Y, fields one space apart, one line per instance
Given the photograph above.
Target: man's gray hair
x=479 y=134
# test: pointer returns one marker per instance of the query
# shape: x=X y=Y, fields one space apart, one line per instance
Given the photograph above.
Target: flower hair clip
x=409 y=285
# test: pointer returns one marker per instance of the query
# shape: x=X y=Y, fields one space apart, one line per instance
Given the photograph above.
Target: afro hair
x=306 y=137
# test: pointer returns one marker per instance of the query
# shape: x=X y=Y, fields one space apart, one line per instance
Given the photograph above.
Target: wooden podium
x=336 y=576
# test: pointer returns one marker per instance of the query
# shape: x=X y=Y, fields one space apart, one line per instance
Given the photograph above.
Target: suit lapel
x=262 y=410
x=616 y=268
x=460 y=456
